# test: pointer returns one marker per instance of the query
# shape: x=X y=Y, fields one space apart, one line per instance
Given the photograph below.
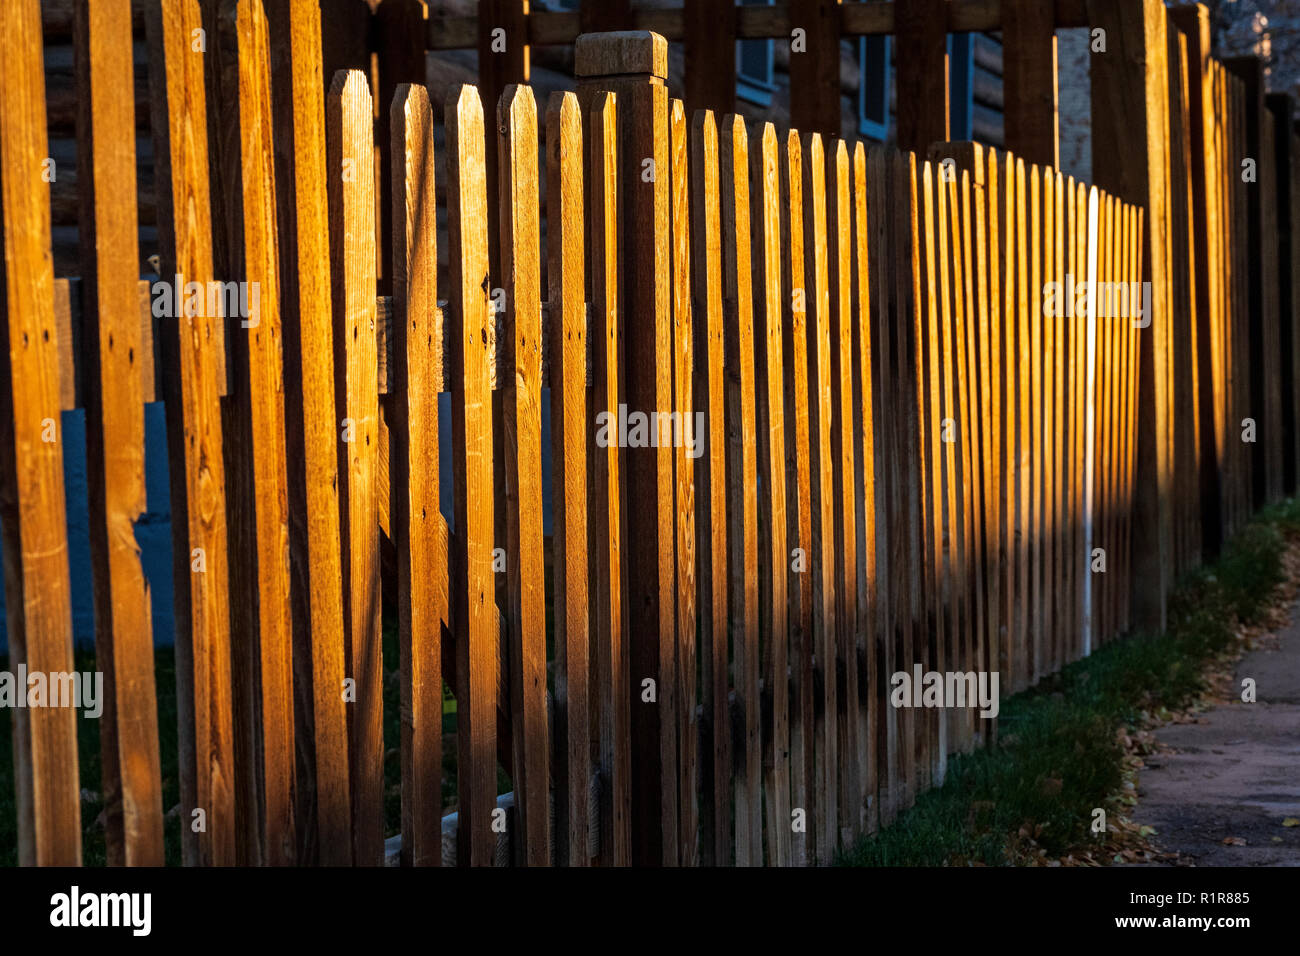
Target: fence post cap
x=621 y=53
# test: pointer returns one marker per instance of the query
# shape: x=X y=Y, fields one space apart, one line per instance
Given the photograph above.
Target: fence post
x=1282 y=108
x=1250 y=70
x=400 y=34
x=1194 y=21
x=709 y=41
x=601 y=16
x=634 y=66
x=1030 y=81
x=502 y=60
x=921 y=52
x=39 y=611
x=815 y=66
x=1130 y=108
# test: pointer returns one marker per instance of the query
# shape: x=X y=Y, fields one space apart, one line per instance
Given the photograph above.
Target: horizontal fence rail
x=838 y=445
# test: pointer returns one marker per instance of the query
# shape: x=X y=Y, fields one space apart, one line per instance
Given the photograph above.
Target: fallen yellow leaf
x=1291 y=822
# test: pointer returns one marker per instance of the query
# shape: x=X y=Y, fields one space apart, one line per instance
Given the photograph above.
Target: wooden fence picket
x=262 y=385
x=31 y=467
x=350 y=138
x=474 y=616
x=198 y=504
x=742 y=482
x=772 y=444
x=568 y=380
x=130 y=762
x=416 y=525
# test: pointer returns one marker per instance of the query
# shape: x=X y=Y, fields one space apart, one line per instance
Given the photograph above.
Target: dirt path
x=1235 y=773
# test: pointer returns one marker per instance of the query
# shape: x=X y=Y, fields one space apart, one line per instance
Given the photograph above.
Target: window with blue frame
x=874 y=77
x=755 y=69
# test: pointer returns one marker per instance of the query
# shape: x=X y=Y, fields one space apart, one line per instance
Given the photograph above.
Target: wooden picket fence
x=921 y=448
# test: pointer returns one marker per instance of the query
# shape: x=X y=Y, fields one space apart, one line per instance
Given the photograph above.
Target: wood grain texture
x=130 y=765
x=422 y=575
x=350 y=139
x=770 y=406
x=258 y=341
x=521 y=273
x=844 y=426
x=473 y=613
x=821 y=384
x=742 y=481
x=200 y=556
x=312 y=436
x=711 y=495
x=39 y=613
x=608 y=517
x=690 y=444
x=569 y=460
x=865 y=375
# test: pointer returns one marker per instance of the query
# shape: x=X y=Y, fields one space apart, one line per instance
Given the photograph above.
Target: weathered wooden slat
x=742 y=480
x=522 y=407
x=1034 y=388
x=608 y=518
x=1017 y=192
x=943 y=434
x=1090 y=427
x=690 y=444
x=863 y=657
x=422 y=597
x=1053 y=588
x=473 y=615
x=1082 y=546
x=257 y=365
x=1060 y=428
x=929 y=403
x=799 y=479
x=822 y=552
x=770 y=401
x=31 y=467
x=130 y=775
x=350 y=137
x=312 y=436
x=194 y=441
x=568 y=456
x=884 y=728
x=845 y=408
x=906 y=546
